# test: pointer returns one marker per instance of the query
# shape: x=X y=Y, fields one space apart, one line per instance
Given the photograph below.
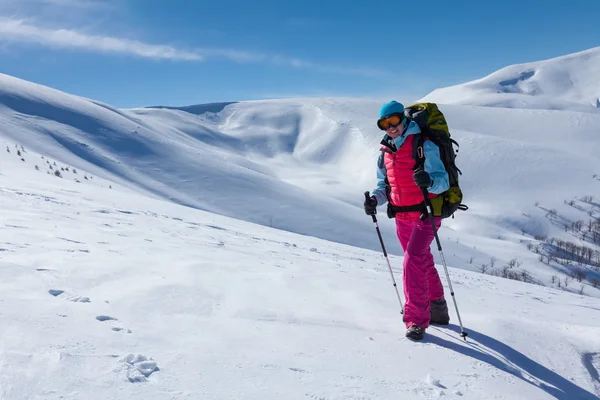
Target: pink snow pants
x=420 y=278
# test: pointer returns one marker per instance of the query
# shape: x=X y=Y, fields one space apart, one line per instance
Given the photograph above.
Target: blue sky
x=133 y=53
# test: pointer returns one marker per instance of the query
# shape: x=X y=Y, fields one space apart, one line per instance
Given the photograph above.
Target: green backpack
x=434 y=127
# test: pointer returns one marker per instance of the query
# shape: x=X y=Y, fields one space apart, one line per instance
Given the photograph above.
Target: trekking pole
x=367 y=197
x=439 y=246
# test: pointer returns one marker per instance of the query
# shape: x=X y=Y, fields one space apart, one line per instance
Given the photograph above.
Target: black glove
x=422 y=179
x=371 y=205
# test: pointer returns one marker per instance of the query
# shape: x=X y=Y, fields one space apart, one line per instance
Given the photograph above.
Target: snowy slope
x=190 y=159
x=568 y=82
x=302 y=165
x=108 y=294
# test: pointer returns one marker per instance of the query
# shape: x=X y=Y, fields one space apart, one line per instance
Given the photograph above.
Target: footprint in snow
x=300 y=370
x=119 y=329
x=104 y=318
x=434 y=382
x=139 y=367
x=71 y=297
x=314 y=396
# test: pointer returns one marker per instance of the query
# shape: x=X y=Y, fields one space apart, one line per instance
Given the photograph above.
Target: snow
x=182 y=303
x=221 y=251
x=302 y=165
x=569 y=82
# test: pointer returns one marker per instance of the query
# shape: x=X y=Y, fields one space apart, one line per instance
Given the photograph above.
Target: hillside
x=109 y=294
x=569 y=82
x=302 y=165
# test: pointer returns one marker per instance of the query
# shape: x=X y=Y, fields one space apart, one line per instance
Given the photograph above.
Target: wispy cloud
x=32 y=5
x=22 y=31
x=73 y=3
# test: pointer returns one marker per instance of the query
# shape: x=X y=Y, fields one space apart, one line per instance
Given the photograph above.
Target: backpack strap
x=418 y=152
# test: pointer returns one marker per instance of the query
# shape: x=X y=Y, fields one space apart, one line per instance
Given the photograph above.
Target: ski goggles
x=392 y=120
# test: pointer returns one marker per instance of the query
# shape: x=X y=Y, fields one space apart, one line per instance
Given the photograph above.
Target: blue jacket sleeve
x=379 y=192
x=435 y=168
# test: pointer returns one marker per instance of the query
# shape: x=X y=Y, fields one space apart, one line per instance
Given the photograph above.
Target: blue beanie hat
x=393 y=107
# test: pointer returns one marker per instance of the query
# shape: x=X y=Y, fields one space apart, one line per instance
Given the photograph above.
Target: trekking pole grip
x=367 y=198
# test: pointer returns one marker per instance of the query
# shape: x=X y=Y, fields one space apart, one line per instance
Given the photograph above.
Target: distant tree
x=576 y=226
x=483 y=268
x=74 y=171
x=19 y=152
x=471 y=260
x=578 y=274
x=22 y=159
x=587 y=199
x=7 y=149
x=37 y=168
x=57 y=173
x=493 y=262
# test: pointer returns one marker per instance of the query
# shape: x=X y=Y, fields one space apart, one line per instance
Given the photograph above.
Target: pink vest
x=399 y=167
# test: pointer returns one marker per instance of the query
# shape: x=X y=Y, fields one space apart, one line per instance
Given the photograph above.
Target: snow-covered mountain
x=568 y=82
x=302 y=165
x=139 y=259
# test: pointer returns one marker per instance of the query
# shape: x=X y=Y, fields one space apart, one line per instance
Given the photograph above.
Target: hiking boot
x=415 y=332
x=439 y=312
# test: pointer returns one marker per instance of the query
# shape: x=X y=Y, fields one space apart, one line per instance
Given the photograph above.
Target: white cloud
x=21 y=31
x=297 y=63
x=31 y=5
x=73 y=3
